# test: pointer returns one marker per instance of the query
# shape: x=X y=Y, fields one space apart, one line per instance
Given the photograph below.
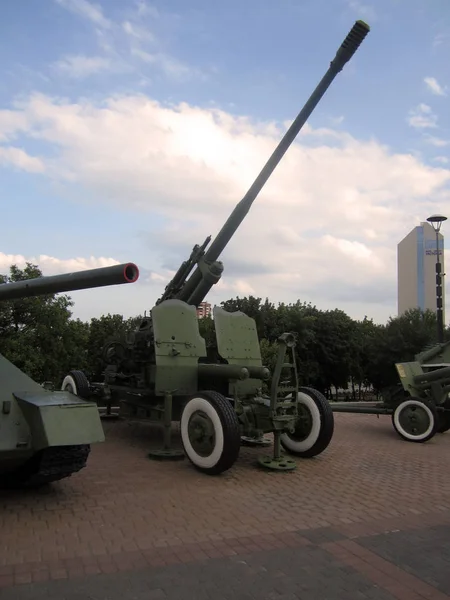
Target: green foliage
x=206 y=328
x=269 y=353
x=399 y=340
x=40 y=336
x=108 y=328
x=334 y=350
x=33 y=331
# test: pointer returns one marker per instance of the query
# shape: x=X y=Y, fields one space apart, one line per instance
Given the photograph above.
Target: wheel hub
x=414 y=420
x=201 y=433
x=303 y=424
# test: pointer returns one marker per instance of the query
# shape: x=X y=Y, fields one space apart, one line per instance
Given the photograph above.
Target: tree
x=364 y=340
x=334 y=334
x=35 y=332
x=399 y=341
x=108 y=328
x=40 y=336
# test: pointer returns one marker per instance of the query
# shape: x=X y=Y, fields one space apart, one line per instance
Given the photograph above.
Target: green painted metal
x=238 y=344
x=208 y=269
x=50 y=417
x=438 y=355
x=46 y=435
x=282 y=463
x=419 y=405
x=69 y=282
x=165 y=372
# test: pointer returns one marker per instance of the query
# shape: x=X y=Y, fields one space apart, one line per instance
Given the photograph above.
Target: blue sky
x=255 y=59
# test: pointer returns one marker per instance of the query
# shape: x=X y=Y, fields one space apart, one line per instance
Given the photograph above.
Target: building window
x=204 y=310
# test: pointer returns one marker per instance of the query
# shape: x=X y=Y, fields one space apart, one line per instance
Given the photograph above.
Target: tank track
x=48 y=465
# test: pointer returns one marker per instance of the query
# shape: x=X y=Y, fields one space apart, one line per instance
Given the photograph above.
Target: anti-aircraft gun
x=46 y=435
x=165 y=373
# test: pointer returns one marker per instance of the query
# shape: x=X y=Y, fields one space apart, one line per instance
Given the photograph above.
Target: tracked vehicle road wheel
x=77 y=383
x=47 y=466
x=210 y=432
x=314 y=428
x=415 y=420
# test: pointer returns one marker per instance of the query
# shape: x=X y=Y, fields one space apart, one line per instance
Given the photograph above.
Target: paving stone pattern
x=128 y=523
x=424 y=553
x=306 y=573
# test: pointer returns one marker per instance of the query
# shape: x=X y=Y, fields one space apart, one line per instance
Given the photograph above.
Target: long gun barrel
x=209 y=270
x=68 y=282
x=427 y=355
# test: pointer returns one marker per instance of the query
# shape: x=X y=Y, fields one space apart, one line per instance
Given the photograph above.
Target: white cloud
x=88 y=10
x=422 y=117
x=170 y=66
x=18 y=158
x=444 y=160
x=440 y=38
x=130 y=44
x=82 y=66
x=138 y=32
x=146 y=9
x=50 y=265
x=434 y=86
x=324 y=229
x=435 y=141
x=337 y=120
x=364 y=10
x=11 y=123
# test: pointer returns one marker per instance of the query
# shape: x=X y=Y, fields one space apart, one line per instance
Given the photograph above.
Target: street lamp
x=436 y=222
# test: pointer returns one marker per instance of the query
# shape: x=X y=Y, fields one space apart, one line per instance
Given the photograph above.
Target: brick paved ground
x=370 y=518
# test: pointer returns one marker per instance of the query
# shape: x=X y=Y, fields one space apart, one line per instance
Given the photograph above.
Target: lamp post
x=436 y=222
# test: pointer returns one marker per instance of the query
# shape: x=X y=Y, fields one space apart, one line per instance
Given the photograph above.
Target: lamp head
x=436 y=221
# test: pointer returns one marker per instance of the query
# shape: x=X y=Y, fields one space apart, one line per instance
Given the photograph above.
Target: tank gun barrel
x=68 y=282
x=208 y=272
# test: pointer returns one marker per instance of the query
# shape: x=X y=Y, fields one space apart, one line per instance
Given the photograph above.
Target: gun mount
x=165 y=373
x=41 y=440
x=208 y=269
x=419 y=404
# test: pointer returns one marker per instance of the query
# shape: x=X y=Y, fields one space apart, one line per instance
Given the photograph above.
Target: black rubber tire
x=326 y=426
x=434 y=420
x=82 y=388
x=443 y=419
x=223 y=412
x=47 y=466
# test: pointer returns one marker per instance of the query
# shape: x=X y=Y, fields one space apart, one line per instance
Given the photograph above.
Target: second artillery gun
x=46 y=435
x=164 y=371
x=419 y=405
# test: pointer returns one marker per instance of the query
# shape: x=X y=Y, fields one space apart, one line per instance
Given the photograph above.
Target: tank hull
x=44 y=436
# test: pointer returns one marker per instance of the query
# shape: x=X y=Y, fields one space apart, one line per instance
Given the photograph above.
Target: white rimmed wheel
x=315 y=425
x=77 y=383
x=415 y=420
x=210 y=432
x=444 y=418
x=443 y=421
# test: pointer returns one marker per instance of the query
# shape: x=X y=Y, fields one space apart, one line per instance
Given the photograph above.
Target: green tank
x=165 y=372
x=46 y=435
